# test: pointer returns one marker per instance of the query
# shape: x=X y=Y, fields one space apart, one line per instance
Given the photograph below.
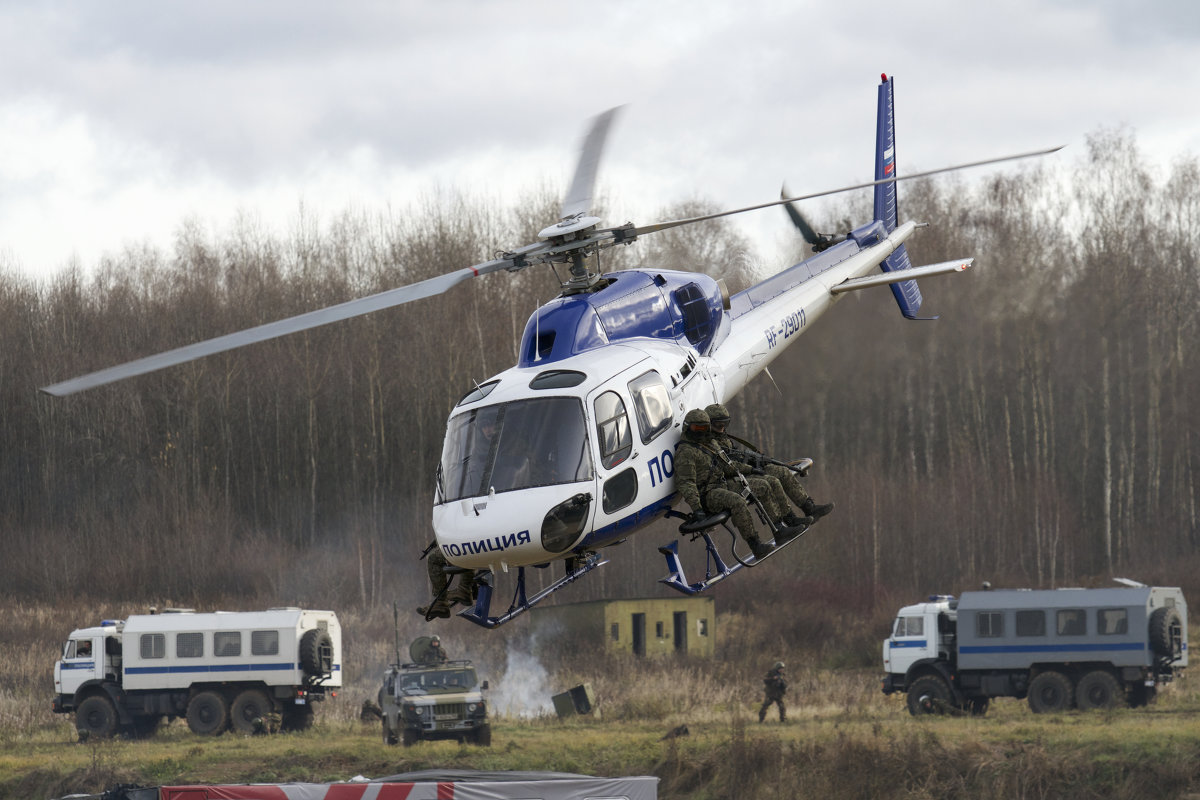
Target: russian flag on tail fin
x=907 y=295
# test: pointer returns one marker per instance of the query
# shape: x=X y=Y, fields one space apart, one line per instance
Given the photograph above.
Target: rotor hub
x=569 y=225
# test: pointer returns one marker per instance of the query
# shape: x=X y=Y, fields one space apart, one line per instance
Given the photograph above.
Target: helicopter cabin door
x=636 y=459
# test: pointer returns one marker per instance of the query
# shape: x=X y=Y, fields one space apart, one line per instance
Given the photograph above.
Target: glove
x=757 y=471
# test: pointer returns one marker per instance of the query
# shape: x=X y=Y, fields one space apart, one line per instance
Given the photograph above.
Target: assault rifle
x=757 y=460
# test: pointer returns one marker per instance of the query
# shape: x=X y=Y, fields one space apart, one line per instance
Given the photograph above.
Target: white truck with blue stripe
x=218 y=670
x=1058 y=648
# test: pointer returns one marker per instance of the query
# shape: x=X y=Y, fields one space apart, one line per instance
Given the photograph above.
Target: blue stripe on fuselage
x=626 y=525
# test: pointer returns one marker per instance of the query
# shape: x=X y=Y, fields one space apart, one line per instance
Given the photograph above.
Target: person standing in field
x=775 y=687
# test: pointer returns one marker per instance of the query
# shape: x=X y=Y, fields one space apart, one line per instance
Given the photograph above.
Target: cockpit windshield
x=537 y=442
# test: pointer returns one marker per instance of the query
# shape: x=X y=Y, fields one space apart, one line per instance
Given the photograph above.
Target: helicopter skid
x=715 y=568
x=480 y=613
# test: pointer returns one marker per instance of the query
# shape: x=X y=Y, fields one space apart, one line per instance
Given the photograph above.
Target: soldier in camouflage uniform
x=789 y=484
x=439 y=582
x=775 y=686
x=702 y=476
x=767 y=485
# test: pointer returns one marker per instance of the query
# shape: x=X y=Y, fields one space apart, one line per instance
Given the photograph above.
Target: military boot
x=438 y=608
x=759 y=547
x=784 y=535
x=461 y=594
x=793 y=519
x=814 y=510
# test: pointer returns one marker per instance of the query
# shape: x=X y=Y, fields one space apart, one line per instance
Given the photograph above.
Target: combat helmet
x=718 y=415
x=778 y=665
x=695 y=424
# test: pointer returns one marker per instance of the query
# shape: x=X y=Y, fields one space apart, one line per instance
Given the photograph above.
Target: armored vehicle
x=1058 y=648
x=433 y=700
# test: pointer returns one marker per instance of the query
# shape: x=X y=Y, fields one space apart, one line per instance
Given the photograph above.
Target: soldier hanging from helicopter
x=439 y=582
x=710 y=482
x=783 y=477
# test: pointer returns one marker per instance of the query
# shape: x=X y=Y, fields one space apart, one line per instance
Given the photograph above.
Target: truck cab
x=90 y=655
x=921 y=634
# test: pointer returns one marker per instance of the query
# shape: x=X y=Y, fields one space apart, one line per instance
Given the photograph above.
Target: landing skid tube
x=480 y=612
x=715 y=568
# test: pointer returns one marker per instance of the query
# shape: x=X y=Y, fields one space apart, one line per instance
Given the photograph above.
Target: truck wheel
x=1098 y=689
x=249 y=712
x=389 y=735
x=316 y=652
x=208 y=714
x=96 y=716
x=1166 y=633
x=483 y=736
x=928 y=694
x=1050 y=692
x=410 y=737
x=297 y=718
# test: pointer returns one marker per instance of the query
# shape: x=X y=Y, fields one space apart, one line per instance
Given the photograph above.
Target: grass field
x=843 y=738
x=841 y=741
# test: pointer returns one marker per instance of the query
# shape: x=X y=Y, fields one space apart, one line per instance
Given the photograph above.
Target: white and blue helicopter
x=572 y=450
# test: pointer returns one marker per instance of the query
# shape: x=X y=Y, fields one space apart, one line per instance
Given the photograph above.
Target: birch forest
x=1042 y=432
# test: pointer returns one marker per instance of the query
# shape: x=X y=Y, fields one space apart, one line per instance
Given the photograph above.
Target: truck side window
x=1112 y=621
x=227 y=644
x=83 y=649
x=189 y=645
x=910 y=626
x=989 y=623
x=1072 y=622
x=264 y=643
x=1031 y=623
x=153 y=645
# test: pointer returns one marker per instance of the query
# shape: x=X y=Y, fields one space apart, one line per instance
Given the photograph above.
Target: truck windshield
x=537 y=442
x=439 y=681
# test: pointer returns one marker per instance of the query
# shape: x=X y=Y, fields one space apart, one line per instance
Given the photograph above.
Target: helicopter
x=571 y=450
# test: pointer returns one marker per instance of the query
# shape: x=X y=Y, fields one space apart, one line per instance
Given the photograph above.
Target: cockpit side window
x=612 y=427
x=651 y=405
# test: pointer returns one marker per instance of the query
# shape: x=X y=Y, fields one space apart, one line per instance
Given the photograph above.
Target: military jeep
x=434 y=701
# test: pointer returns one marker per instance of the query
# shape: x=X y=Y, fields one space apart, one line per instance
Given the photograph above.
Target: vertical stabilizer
x=907 y=295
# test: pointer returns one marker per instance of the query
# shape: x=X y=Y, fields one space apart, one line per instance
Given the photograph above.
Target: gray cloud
x=225 y=100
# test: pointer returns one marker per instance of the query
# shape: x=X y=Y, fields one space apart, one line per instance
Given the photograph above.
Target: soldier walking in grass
x=775 y=687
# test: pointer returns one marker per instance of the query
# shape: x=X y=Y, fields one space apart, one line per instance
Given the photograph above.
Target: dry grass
x=843 y=738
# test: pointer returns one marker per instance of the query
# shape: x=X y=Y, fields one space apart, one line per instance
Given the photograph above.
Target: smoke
x=524 y=691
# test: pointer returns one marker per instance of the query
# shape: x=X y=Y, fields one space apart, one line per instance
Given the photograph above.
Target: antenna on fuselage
x=537 y=333
x=767 y=370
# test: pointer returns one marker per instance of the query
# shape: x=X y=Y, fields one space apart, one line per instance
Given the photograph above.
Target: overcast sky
x=118 y=120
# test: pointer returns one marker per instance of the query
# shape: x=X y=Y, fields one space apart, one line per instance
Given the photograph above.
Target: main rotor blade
x=662 y=226
x=798 y=219
x=272 y=330
x=579 y=196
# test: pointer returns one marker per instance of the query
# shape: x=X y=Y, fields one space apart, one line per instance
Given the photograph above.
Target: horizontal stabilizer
x=902 y=275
